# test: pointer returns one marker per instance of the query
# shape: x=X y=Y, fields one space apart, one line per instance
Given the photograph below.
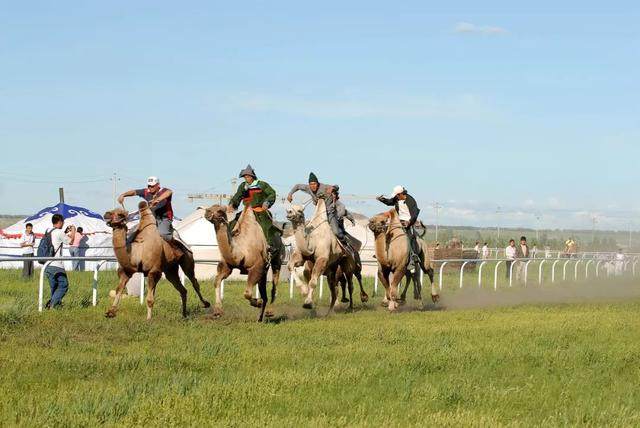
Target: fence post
x=575 y=275
x=462 y=272
x=94 y=286
x=513 y=263
x=564 y=270
x=291 y=285
x=598 y=268
x=526 y=271
x=375 y=284
x=495 y=275
x=586 y=269
x=141 y=288
x=540 y=271
x=553 y=271
x=480 y=273
x=440 y=278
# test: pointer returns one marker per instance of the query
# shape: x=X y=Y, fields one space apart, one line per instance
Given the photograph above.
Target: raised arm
x=294 y=189
x=126 y=194
x=386 y=201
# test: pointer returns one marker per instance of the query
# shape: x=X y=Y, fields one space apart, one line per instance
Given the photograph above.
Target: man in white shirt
x=58 y=281
x=477 y=249
x=27 y=243
x=510 y=255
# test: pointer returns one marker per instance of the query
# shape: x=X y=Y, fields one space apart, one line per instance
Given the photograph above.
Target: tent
x=97 y=231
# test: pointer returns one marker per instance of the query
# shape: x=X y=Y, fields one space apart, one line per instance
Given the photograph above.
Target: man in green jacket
x=260 y=196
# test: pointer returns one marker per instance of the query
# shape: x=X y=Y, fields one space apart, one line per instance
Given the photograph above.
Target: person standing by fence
x=510 y=255
x=485 y=251
x=522 y=253
x=75 y=250
x=55 y=272
x=28 y=243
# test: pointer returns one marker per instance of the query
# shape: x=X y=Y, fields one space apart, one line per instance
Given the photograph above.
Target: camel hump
x=143 y=205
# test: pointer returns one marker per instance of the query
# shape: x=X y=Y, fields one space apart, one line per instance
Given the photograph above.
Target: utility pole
x=115 y=180
x=594 y=220
x=538 y=218
x=498 y=211
x=61 y=193
x=437 y=206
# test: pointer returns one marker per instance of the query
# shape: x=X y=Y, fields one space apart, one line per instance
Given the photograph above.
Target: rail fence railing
x=613 y=268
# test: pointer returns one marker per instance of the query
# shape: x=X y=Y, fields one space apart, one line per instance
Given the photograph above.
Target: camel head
x=216 y=214
x=116 y=218
x=379 y=223
x=295 y=215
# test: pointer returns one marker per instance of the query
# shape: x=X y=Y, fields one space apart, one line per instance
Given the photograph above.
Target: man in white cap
x=159 y=199
x=408 y=211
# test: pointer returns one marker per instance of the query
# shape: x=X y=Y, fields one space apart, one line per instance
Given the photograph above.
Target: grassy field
x=479 y=357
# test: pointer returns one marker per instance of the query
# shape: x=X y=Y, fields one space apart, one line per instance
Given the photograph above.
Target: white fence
x=580 y=271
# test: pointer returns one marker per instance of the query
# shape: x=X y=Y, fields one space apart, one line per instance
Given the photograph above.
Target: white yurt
x=96 y=244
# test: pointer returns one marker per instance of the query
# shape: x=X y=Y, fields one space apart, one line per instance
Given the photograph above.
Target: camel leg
x=403 y=295
x=417 y=285
x=435 y=296
x=173 y=277
x=254 y=276
x=275 y=274
x=152 y=281
x=350 y=286
x=393 y=289
x=318 y=269
x=364 y=297
x=124 y=278
x=333 y=287
x=383 y=276
x=189 y=268
x=223 y=272
x=262 y=289
x=342 y=282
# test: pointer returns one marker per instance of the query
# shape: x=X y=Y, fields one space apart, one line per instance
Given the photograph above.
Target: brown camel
x=318 y=250
x=150 y=255
x=244 y=248
x=392 y=253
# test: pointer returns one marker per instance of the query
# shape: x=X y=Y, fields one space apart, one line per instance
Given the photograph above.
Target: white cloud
x=469 y=28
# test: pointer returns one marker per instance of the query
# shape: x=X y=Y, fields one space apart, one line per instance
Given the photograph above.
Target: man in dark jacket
x=259 y=196
x=336 y=211
x=408 y=211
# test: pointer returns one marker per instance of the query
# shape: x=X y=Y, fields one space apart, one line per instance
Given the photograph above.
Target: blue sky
x=531 y=108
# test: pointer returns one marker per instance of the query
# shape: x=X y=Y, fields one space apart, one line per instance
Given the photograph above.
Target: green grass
x=544 y=364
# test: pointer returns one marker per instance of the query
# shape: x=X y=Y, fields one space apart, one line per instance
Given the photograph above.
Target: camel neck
x=119 y=237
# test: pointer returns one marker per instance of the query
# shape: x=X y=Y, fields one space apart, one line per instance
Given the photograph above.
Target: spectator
x=76 y=251
x=619 y=264
x=55 y=272
x=27 y=244
x=510 y=255
x=485 y=251
x=522 y=253
x=477 y=249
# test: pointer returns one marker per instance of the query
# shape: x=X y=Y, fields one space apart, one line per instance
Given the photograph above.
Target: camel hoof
x=435 y=298
x=269 y=313
x=384 y=303
x=206 y=304
x=344 y=300
x=256 y=303
x=217 y=312
x=364 y=298
x=308 y=305
x=110 y=313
